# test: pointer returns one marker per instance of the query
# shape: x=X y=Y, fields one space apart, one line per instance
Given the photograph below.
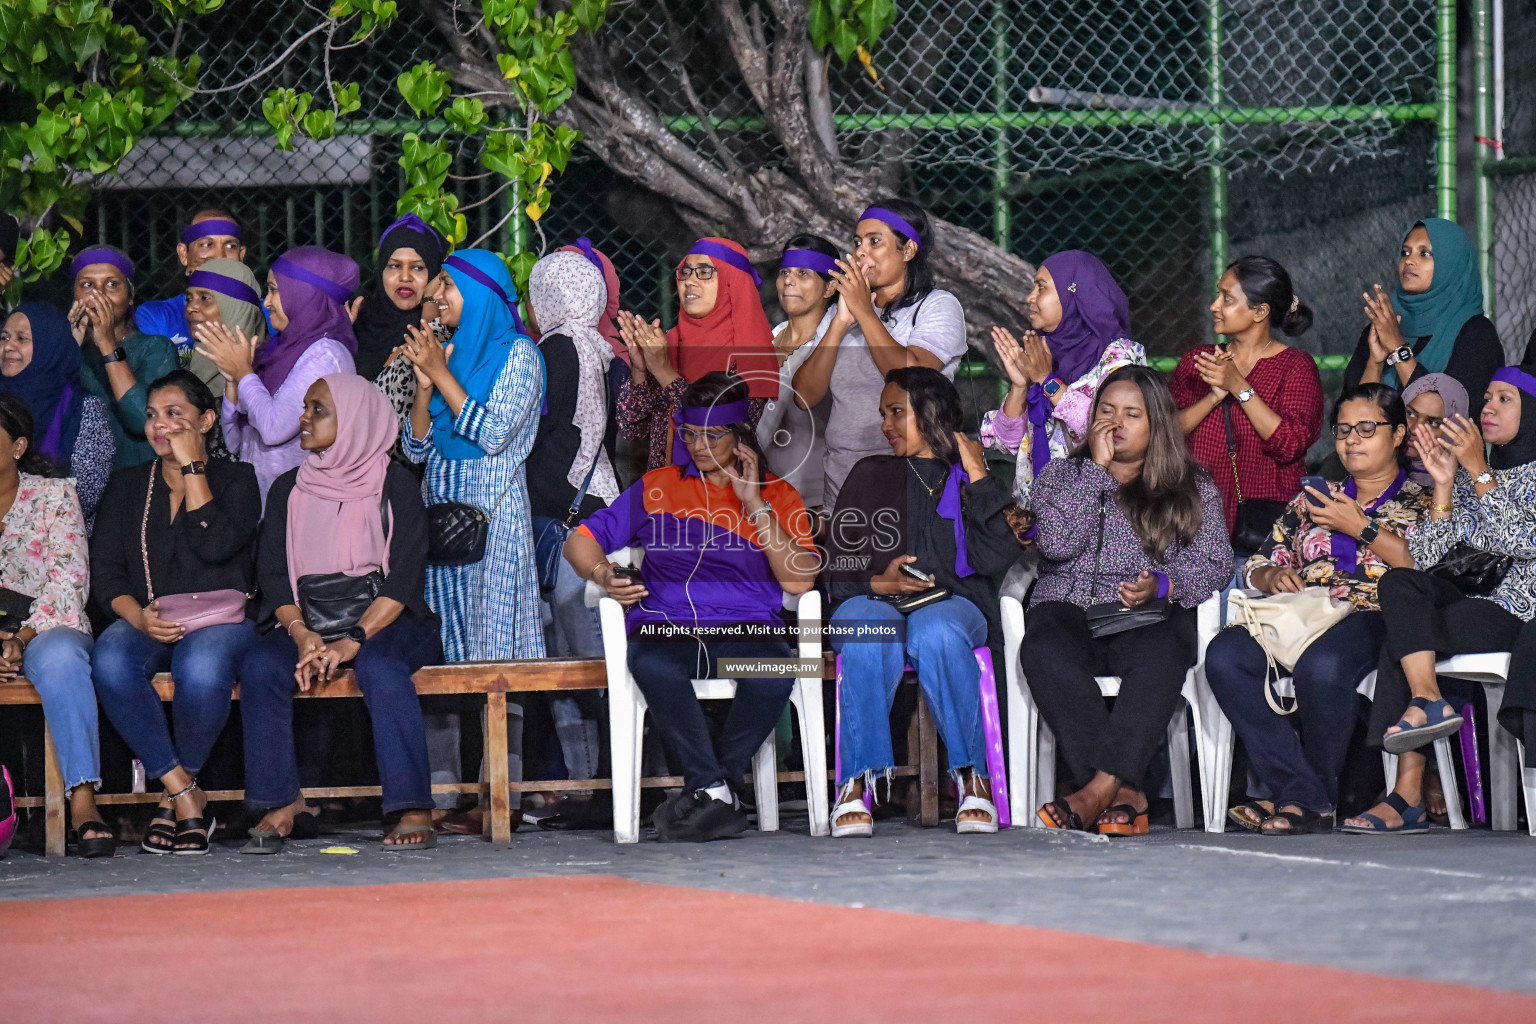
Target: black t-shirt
x=558 y=442
x=1475 y=355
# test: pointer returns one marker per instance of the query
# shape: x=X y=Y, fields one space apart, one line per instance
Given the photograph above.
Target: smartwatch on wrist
x=1400 y=355
x=357 y=635
x=1052 y=385
x=117 y=355
x=198 y=468
x=1370 y=533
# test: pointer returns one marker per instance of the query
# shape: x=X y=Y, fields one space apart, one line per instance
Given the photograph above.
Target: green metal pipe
x=1482 y=153
x=977 y=368
x=1215 y=95
x=1002 y=168
x=1195 y=116
x=1445 y=112
x=1510 y=166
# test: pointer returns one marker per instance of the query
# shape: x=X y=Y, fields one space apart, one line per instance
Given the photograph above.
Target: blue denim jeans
x=58 y=664
x=202 y=663
x=940 y=644
x=384 y=665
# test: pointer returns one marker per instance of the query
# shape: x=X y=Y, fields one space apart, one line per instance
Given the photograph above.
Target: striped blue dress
x=490 y=610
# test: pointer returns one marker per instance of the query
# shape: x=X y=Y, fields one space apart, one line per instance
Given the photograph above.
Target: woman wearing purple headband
x=889 y=315
x=1478 y=505
x=723 y=543
x=221 y=293
x=307 y=293
x=794 y=440
x=118 y=359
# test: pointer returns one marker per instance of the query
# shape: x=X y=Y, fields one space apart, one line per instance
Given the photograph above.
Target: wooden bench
x=494 y=679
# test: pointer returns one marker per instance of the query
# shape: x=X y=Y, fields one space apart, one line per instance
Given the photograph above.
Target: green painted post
x=1215 y=94
x=1001 y=165
x=1445 y=109
x=1482 y=153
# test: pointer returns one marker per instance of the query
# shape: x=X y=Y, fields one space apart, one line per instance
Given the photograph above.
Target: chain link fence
x=1160 y=135
x=1514 y=181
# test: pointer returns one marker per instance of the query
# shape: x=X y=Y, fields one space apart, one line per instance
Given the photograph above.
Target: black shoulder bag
x=1473 y=571
x=331 y=603
x=1255 y=516
x=1111 y=617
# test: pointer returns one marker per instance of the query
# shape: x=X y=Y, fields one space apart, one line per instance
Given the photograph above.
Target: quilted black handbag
x=456 y=533
x=1473 y=571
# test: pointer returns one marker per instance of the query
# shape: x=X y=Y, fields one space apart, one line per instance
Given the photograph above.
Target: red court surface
x=603 y=948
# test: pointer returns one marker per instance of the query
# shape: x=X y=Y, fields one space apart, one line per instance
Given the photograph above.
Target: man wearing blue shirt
x=211 y=233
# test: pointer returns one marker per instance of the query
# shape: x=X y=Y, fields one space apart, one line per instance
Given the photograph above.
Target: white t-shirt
x=937 y=324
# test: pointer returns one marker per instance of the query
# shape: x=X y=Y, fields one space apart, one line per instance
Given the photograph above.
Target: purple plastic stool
x=992 y=726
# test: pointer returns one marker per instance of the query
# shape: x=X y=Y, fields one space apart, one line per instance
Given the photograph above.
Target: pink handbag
x=7 y=824
x=190 y=611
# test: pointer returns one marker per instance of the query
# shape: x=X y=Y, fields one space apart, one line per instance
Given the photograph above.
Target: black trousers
x=1425 y=613
x=1518 y=712
x=1060 y=660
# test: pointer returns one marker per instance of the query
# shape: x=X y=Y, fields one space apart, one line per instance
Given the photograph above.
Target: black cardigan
x=558 y=441
x=883 y=511
x=407 y=579
x=209 y=548
x=1474 y=357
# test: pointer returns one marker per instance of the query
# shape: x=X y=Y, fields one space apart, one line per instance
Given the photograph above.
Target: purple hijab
x=314 y=285
x=1094 y=312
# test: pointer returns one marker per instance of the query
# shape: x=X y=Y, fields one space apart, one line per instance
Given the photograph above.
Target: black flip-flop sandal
x=1060 y=816
x=199 y=830
x=1136 y=823
x=161 y=826
x=97 y=846
x=1300 y=823
x=1260 y=812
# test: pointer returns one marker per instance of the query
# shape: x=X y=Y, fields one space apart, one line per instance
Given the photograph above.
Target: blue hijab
x=1455 y=294
x=50 y=384
x=488 y=329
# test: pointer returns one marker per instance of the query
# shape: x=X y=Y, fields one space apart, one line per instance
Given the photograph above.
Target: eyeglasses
x=1432 y=422
x=1365 y=428
x=704 y=272
x=710 y=437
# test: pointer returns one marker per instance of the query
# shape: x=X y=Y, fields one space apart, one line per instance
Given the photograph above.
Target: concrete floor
x=1453 y=908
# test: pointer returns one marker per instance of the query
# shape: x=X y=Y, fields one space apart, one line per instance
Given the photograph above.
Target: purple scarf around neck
x=1346 y=549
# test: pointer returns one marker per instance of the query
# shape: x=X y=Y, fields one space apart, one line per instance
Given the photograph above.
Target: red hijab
x=735 y=335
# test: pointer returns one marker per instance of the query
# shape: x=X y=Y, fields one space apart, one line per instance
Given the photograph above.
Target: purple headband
x=729 y=256
x=880 y=213
x=101 y=254
x=808 y=259
x=224 y=286
x=474 y=274
x=704 y=416
x=414 y=223
x=287 y=268
x=204 y=228
x=585 y=245
x=1517 y=377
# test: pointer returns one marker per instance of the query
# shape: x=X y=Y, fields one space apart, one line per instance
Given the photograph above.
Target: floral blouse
x=1502 y=521
x=1067 y=426
x=645 y=415
x=1296 y=542
x=43 y=552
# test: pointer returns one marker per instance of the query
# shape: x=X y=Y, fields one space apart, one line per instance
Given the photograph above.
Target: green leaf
x=844 y=40
x=589 y=14
x=320 y=124
x=424 y=87
x=347 y=97
x=467 y=115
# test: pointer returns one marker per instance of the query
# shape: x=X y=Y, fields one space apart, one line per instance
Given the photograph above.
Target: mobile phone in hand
x=1318 y=484
x=626 y=574
x=910 y=569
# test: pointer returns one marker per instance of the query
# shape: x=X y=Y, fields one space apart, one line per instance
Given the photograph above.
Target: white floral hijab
x=569 y=295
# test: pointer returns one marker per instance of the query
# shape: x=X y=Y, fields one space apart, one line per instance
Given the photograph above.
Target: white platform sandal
x=857 y=829
x=976 y=803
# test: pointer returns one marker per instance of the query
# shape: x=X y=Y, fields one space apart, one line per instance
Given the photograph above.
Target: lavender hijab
x=313 y=285
x=1094 y=312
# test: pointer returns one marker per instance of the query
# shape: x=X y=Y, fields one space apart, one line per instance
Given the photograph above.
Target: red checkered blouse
x=1271 y=469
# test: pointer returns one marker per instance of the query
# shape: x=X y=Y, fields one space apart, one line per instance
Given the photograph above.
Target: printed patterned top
x=1067 y=498
x=43 y=552
x=1298 y=543
x=704 y=565
x=645 y=414
x=1067 y=426
x=1502 y=521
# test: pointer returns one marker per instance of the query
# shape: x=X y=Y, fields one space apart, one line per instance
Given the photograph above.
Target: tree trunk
x=761 y=207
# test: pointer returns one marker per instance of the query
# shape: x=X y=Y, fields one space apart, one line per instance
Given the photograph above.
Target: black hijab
x=380 y=325
x=1522 y=447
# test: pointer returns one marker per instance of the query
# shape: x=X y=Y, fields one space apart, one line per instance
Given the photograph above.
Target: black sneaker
x=704 y=819
x=670 y=812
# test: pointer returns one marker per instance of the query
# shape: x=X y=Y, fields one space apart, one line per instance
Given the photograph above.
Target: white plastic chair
x=626 y=715
x=1032 y=747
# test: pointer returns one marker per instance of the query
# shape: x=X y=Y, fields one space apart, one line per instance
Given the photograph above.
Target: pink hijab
x=605 y=325
x=334 y=523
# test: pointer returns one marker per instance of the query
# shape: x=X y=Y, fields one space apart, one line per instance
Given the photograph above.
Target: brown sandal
x=1057 y=814
x=1136 y=825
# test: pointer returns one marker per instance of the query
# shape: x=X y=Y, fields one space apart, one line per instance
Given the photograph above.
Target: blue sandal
x=1442 y=721
x=1414 y=820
